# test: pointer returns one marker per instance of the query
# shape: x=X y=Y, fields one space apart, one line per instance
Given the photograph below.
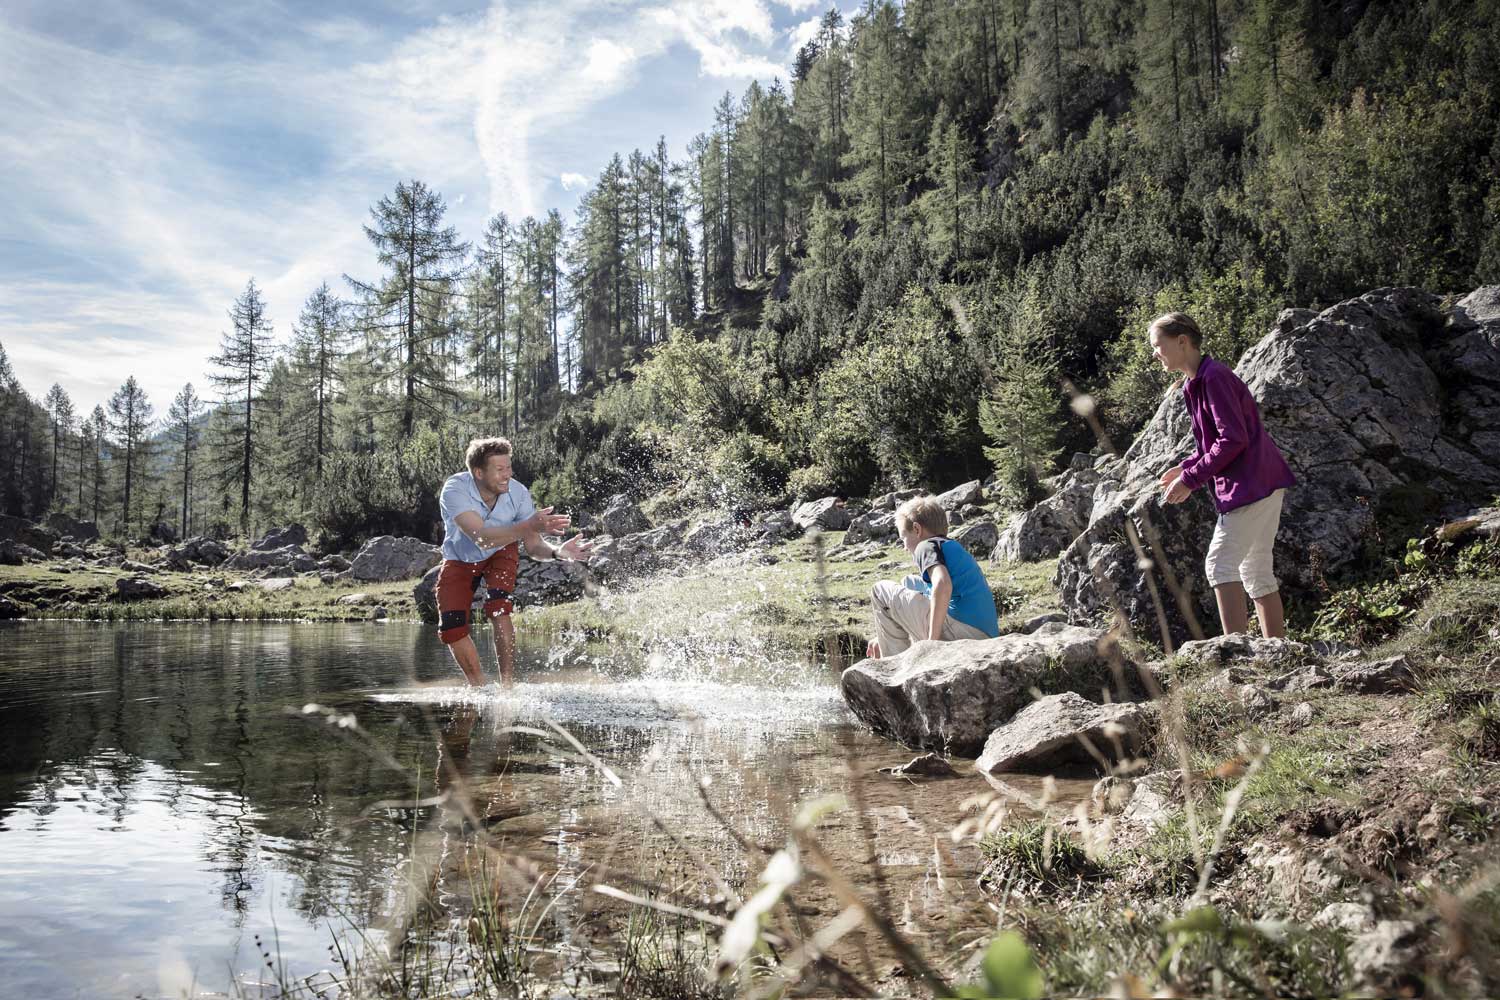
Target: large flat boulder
x=387 y=557
x=949 y=696
x=1060 y=730
x=1386 y=407
x=1046 y=529
x=280 y=538
x=622 y=517
x=977 y=537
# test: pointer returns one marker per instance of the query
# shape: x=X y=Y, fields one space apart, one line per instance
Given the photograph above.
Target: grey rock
x=960 y=496
x=555 y=581
x=622 y=517
x=716 y=536
x=277 y=584
x=1375 y=397
x=350 y=600
x=1049 y=527
x=1241 y=647
x=134 y=588
x=1032 y=624
x=949 y=696
x=333 y=563
x=928 y=765
x=303 y=563
x=14 y=553
x=828 y=513
x=1384 y=953
x=68 y=526
x=1153 y=799
x=280 y=538
x=778 y=526
x=1355 y=918
x=389 y=558
x=874 y=526
x=424 y=594
x=1302 y=715
x=377 y=613
x=197 y=551
x=24 y=532
x=162 y=531
x=133 y=567
x=1392 y=675
x=977 y=537
x=266 y=559
x=888 y=502
x=1057 y=730
x=11 y=610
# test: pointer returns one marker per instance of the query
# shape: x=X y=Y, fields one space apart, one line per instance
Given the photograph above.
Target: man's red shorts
x=458 y=582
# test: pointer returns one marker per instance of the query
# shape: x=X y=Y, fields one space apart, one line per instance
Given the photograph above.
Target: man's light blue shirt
x=461 y=493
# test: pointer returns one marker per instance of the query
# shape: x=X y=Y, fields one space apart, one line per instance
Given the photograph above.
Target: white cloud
x=804 y=32
x=147 y=183
x=798 y=6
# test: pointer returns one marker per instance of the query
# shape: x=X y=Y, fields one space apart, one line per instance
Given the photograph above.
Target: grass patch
x=1034 y=859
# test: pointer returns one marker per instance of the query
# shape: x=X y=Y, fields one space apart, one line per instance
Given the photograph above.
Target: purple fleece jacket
x=1234 y=449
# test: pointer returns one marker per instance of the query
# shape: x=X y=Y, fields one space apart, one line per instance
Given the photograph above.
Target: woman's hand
x=1177 y=490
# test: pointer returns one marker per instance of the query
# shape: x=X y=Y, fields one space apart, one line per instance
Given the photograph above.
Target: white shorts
x=1241 y=549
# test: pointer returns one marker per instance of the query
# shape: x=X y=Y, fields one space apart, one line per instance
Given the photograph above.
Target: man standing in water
x=487 y=515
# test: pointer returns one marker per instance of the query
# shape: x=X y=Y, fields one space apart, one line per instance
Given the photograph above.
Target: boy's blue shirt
x=971 y=601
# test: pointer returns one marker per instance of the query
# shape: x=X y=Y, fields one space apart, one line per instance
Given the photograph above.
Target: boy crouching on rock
x=949 y=598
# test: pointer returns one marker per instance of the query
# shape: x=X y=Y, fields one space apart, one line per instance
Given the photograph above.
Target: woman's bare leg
x=1271 y=614
x=1234 y=608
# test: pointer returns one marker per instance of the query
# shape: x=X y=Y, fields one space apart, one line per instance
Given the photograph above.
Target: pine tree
x=245 y=356
x=182 y=424
x=130 y=423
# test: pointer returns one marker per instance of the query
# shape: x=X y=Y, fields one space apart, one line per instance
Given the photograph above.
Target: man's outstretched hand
x=544 y=522
x=576 y=549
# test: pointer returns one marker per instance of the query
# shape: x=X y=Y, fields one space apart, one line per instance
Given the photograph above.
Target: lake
x=191 y=808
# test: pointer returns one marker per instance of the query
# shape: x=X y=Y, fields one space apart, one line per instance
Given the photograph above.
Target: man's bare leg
x=1272 y=615
x=467 y=658
x=503 y=628
x=1234 y=609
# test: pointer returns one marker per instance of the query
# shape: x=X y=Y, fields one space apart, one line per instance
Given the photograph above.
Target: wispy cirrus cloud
x=156 y=162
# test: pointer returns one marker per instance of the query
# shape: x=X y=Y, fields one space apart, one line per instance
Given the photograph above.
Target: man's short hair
x=481 y=450
x=923 y=510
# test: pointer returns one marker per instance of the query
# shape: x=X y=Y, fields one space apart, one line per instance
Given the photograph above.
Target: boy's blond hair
x=923 y=510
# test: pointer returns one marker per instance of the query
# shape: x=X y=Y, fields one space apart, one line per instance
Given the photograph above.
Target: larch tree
x=60 y=416
x=403 y=310
x=244 y=358
x=182 y=424
x=315 y=359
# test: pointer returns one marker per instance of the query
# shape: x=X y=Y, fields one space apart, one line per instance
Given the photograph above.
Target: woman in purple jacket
x=1246 y=469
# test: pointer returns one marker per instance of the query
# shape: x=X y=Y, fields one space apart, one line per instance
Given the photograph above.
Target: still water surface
x=171 y=806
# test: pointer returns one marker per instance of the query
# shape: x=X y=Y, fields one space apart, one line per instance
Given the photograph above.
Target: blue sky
x=154 y=156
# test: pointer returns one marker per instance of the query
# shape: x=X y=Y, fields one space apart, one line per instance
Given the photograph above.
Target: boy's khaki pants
x=901 y=617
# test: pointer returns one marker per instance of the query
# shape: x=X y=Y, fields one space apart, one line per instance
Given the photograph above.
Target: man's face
x=495 y=476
